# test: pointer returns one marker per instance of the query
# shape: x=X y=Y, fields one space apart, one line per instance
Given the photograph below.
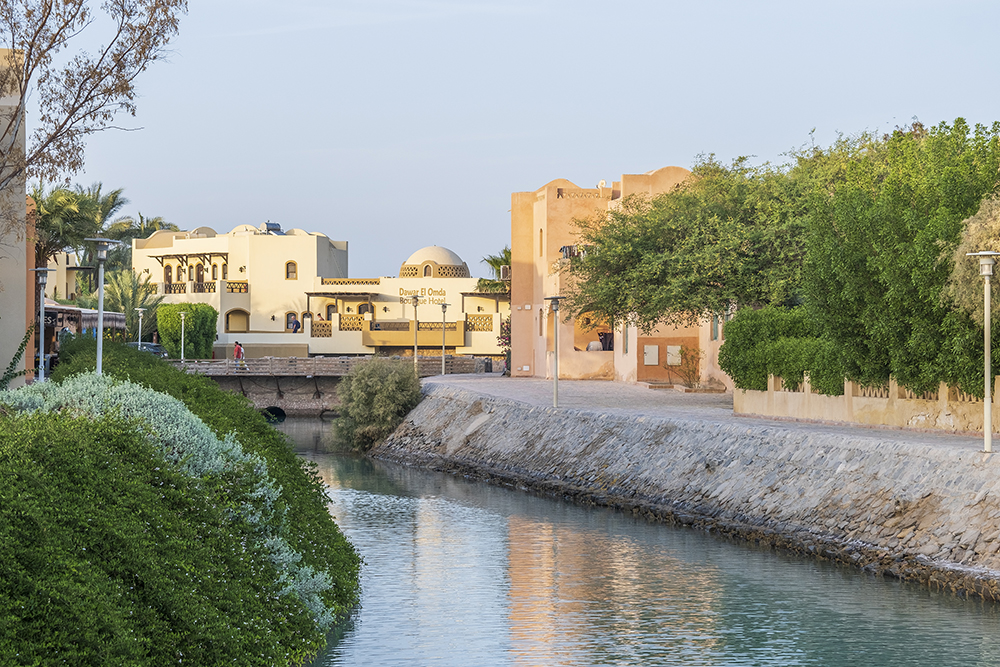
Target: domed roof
x=434 y=262
x=436 y=254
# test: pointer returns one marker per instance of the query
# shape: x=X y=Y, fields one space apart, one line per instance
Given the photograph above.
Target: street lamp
x=444 y=308
x=183 y=315
x=42 y=275
x=141 y=311
x=986 y=263
x=416 y=370
x=102 y=255
x=555 y=345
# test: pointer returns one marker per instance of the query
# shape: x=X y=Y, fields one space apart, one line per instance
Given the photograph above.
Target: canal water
x=460 y=573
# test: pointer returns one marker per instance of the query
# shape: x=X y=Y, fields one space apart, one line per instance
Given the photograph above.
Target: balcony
x=400 y=334
x=174 y=288
x=203 y=288
x=237 y=287
x=479 y=323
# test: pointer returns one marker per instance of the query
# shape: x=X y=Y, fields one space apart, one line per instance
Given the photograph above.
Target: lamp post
x=42 y=275
x=555 y=344
x=444 y=338
x=986 y=263
x=102 y=255
x=416 y=370
x=141 y=311
x=183 y=315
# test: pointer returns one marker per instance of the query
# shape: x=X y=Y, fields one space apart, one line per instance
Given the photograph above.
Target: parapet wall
x=915 y=511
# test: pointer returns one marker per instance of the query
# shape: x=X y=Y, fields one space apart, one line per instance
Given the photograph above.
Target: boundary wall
x=946 y=409
x=922 y=510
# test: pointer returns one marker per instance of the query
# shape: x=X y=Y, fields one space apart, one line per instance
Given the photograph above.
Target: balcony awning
x=185 y=257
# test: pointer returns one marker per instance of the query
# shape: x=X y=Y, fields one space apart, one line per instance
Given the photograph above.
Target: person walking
x=239 y=356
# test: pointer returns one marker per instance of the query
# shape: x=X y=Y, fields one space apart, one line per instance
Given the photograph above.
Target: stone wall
x=915 y=511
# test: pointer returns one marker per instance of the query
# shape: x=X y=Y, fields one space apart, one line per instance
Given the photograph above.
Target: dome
x=434 y=262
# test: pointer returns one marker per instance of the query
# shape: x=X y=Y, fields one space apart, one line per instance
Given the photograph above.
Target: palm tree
x=495 y=284
x=125 y=229
x=103 y=206
x=62 y=220
x=124 y=293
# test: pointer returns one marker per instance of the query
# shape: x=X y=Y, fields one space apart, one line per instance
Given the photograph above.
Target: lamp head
x=444 y=307
x=555 y=302
x=986 y=261
x=416 y=300
x=101 y=244
x=42 y=275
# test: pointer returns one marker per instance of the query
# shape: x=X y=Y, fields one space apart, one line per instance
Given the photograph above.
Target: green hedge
x=374 y=398
x=200 y=328
x=777 y=341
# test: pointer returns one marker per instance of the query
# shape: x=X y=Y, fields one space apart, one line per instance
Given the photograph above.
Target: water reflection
x=460 y=573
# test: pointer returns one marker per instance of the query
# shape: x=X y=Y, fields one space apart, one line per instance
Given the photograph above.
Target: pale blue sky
x=395 y=124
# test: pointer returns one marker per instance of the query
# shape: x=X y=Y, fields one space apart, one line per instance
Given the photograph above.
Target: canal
x=462 y=573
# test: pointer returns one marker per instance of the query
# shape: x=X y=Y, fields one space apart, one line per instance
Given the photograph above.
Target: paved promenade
x=638 y=400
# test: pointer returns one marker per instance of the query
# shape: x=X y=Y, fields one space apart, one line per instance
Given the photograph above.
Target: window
x=364 y=308
x=168 y=274
x=651 y=355
x=539 y=243
x=215 y=272
x=200 y=273
x=331 y=310
x=427 y=271
x=715 y=327
x=291 y=271
x=225 y=272
x=290 y=321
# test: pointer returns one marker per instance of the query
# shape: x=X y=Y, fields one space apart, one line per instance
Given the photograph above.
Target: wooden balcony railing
x=174 y=288
x=237 y=286
x=203 y=288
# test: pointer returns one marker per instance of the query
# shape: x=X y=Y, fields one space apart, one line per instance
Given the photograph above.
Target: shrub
x=200 y=327
x=374 y=399
x=311 y=532
x=110 y=555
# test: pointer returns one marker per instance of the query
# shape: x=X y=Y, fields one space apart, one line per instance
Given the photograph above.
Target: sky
x=397 y=124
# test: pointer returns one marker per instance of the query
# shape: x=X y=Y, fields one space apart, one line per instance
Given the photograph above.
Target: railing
x=351 y=322
x=390 y=326
x=351 y=281
x=174 y=288
x=237 y=286
x=479 y=323
x=318 y=366
x=871 y=392
x=436 y=326
x=203 y=288
x=322 y=329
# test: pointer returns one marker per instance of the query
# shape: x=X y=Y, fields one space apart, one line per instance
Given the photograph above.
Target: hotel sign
x=426 y=295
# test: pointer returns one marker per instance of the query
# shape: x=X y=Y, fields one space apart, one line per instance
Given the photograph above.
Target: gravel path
x=640 y=401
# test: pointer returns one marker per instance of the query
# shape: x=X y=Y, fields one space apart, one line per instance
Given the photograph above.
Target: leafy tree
x=123 y=293
x=77 y=92
x=882 y=212
x=729 y=236
x=495 y=284
x=199 y=329
x=63 y=219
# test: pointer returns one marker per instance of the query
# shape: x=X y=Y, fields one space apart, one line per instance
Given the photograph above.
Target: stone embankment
x=898 y=503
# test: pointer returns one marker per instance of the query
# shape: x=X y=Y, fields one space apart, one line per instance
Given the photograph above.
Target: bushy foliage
x=241 y=479
x=199 y=329
x=374 y=399
x=111 y=555
x=310 y=531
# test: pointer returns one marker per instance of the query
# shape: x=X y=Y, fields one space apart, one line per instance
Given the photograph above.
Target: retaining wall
x=915 y=511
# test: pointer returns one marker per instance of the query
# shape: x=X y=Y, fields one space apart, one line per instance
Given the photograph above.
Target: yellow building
x=543 y=239
x=262 y=281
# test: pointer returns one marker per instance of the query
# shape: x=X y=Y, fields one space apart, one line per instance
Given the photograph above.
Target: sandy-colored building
x=263 y=280
x=543 y=239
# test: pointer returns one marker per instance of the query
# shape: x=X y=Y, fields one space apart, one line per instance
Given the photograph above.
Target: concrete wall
x=947 y=409
x=916 y=511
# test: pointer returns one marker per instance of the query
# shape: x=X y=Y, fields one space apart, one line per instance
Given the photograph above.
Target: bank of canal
x=464 y=573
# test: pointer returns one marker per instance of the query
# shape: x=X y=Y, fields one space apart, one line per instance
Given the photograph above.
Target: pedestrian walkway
x=638 y=400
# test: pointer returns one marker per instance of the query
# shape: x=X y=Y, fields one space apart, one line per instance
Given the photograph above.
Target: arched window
x=331 y=310
x=200 y=273
x=168 y=274
x=290 y=321
x=364 y=308
x=291 y=271
x=427 y=271
x=215 y=272
x=225 y=272
x=237 y=321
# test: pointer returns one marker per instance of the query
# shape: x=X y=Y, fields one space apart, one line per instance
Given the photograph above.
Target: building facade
x=543 y=239
x=263 y=281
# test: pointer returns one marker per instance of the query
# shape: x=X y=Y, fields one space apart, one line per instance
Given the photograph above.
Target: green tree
x=63 y=219
x=495 y=284
x=124 y=292
x=375 y=397
x=730 y=236
x=199 y=329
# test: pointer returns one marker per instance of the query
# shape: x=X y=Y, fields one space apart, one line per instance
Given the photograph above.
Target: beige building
x=543 y=239
x=262 y=281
